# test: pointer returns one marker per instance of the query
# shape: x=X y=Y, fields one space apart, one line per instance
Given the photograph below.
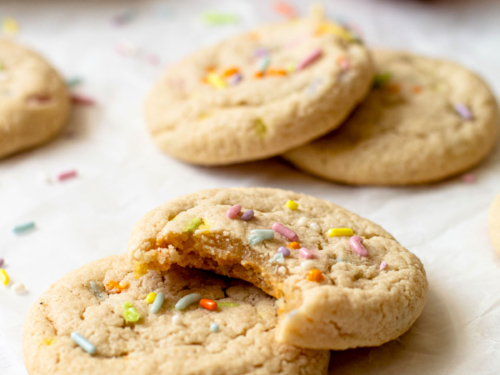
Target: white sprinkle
x=307 y=265
x=177 y=319
x=314 y=226
x=18 y=288
x=303 y=221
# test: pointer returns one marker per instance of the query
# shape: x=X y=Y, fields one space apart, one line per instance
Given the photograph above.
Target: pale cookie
x=128 y=339
x=34 y=103
x=336 y=299
x=259 y=94
x=495 y=223
x=425 y=120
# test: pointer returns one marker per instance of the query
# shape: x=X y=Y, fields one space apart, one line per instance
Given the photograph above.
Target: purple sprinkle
x=259 y=52
x=283 y=250
x=463 y=111
x=1 y=262
x=247 y=215
x=235 y=79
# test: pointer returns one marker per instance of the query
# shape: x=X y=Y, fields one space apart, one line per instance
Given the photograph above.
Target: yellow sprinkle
x=140 y=269
x=151 y=297
x=260 y=128
x=215 y=80
x=4 y=278
x=340 y=232
x=10 y=25
x=331 y=28
x=294 y=206
x=47 y=341
x=290 y=67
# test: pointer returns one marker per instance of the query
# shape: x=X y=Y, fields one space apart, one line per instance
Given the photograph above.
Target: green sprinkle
x=214 y=18
x=130 y=314
x=260 y=128
x=23 y=227
x=72 y=82
x=227 y=304
x=381 y=80
x=193 y=225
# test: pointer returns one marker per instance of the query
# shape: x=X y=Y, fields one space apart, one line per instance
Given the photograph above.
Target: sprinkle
x=83 y=343
x=72 y=82
x=292 y=313
x=303 y=221
x=258 y=74
x=4 y=277
x=315 y=227
x=306 y=253
x=260 y=235
x=294 y=206
x=151 y=298
x=67 y=175
x=214 y=327
x=249 y=214
x=1 y=262
x=24 y=227
x=283 y=250
x=96 y=290
x=417 y=89
x=187 y=300
x=193 y=224
x=263 y=63
x=277 y=258
x=343 y=63
x=463 y=111
x=260 y=128
x=177 y=319
x=294 y=245
x=18 y=288
x=290 y=67
x=307 y=265
x=468 y=178
x=115 y=287
x=234 y=211
x=285 y=9
x=235 y=79
x=340 y=232
x=381 y=79
x=312 y=88
x=208 y=304
x=315 y=275
x=82 y=100
x=227 y=304
x=130 y=314
x=216 y=81
x=140 y=269
x=214 y=18
x=276 y=72
x=10 y=25
x=156 y=306
x=229 y=72
x=313 y=56
x=356 y=244
x=285 y=232
x=383 y=265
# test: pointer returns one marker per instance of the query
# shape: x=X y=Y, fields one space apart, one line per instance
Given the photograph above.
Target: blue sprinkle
x=278 y=258
x=158 y=302
x=83 y=343
x=255 y=239
x=214 y=327
x=187 y=300
x=268 y=234
x=23 y=227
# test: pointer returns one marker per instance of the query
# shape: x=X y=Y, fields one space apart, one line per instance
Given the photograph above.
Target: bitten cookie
x=259 y=94
x=425 y=120
x=494 y=223
x=101 y=320
x=34 y=103
x=342 y=281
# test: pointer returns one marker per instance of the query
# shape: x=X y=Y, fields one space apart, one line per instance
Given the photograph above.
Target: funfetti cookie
x=34 y=103
x=102 y=320
x=494 y=223
x=342 y=280
x=425 y=120
x=259 y=94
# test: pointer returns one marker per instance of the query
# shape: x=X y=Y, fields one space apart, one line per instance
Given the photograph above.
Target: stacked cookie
x=323 y=278
x=271 y=91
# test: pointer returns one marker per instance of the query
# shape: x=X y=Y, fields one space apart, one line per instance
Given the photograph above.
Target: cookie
x=425 y=120
x=259 y=94
x=342 y=281
x=494 y=223
x=34 y=103
x=110 y=309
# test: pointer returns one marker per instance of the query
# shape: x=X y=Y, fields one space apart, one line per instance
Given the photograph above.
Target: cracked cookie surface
x=351 y=302
x=424 y=121
x=34 y=103
x=247 y=98
x=494 y=223
x=156 y=344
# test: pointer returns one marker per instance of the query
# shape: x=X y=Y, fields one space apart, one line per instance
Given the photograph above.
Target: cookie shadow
x=425 y=349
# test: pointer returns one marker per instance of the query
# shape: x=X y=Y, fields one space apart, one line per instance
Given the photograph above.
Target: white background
x=122 y=175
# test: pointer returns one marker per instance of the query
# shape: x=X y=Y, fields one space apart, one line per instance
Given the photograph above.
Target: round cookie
x=330 y=296
x=494 y=223
x=259 y=94
x=424 y=120
x=34 y=102
x=90 y=301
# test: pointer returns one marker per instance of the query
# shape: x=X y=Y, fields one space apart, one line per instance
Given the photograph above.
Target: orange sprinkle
x=254 y=35
x=115 y=287
x=294 y=245
x=258 y=75
x=229 y=72
x=285 y=9
x=393 y=88
x=276 y=72
x=210 y=69
x=417 y=89
x=315 y=275
x=208 y=304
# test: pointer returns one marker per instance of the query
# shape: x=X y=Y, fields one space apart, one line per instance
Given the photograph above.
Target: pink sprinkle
x=306 y=253
x=233 y=211
x=469 y=178
x=383 y=265
x=285 y=232
x=310 y=59
x=81 y=100
x=66 y=175
x=1 y=262
x=356 y=243
x=463 y=111
x=344 y=64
